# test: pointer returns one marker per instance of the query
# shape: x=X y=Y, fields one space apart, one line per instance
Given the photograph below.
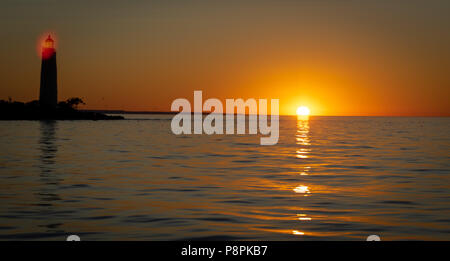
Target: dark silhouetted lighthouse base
x=48 y=95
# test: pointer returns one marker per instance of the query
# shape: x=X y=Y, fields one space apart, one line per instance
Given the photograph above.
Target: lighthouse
x=48 y=95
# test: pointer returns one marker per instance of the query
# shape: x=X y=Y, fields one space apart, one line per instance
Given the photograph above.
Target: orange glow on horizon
x=336 y=66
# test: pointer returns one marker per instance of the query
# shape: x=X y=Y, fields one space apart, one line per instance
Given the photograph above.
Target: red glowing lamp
x=48 y=48
x=49 y=42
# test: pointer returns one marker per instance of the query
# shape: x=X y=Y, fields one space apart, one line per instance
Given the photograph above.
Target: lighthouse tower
x=48 y=95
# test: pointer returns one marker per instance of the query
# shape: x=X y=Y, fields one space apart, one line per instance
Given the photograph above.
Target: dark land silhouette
x=65 y=110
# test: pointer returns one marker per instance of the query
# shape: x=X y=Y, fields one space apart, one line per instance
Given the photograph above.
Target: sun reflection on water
x=302 y=135
x=303 y=153
x=303 y=140
x=303 y=217
x=302 y=189
x=296 y=232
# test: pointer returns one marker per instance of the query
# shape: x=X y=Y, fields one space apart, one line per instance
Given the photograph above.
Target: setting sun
x=302 y=111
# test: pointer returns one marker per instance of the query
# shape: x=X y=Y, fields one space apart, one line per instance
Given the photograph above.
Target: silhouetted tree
x=71 y=103
x=74 y=102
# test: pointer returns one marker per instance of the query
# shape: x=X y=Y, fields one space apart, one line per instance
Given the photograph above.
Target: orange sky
x=336 y=57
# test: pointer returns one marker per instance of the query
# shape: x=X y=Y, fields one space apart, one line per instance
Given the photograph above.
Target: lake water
x=328 y=178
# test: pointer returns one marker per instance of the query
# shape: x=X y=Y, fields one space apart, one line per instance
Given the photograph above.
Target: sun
x=302 y=111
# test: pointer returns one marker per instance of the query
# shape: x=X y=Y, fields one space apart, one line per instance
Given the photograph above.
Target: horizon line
x=224 y=113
